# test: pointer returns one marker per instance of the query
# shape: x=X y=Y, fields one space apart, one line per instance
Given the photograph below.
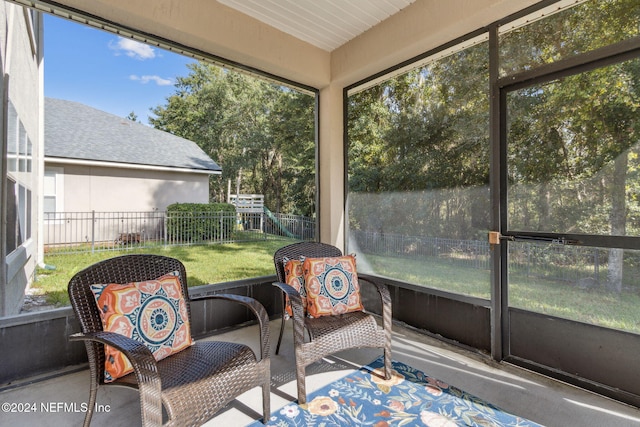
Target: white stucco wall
x=21 y=56
x=108 y=189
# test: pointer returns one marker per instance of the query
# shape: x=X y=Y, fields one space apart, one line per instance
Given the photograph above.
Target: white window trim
x=59 y=191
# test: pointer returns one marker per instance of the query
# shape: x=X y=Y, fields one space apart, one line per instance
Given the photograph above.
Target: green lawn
x=227 y=262
x=204 y=264
x=433 y=273
x=598 y=306
x=561 y=299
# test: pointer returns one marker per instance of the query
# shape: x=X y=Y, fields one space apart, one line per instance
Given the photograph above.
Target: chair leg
x=302 y=388
x=93 y=386
x=387 y=363
x=266 y=401
x=281 y=334
x=93 y=395
x=281 y=325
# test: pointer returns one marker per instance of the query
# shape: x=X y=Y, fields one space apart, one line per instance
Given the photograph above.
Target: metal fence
x=67 y=232
x=71 y=232
x=582 y=266
x=467 y=253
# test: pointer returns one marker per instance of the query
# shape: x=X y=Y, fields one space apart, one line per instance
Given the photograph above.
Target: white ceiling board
x=327 y=24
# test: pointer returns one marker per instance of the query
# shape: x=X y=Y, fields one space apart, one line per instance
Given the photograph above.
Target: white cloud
x=132 y=49
x=146 y=79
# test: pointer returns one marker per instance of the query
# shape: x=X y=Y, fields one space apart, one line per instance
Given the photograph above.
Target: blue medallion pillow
x=332 y=285
x=153 y=312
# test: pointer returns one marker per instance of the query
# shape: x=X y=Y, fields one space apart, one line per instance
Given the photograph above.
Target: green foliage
x=260 y=133
x=199 y=222
x=133 y=117
x=419 y=143
x=591 y=25
x=419 y=149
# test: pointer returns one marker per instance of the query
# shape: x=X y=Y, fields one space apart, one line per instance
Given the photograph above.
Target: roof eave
x=119 y=165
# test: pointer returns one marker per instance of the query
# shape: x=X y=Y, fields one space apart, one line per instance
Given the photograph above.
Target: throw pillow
x=332 y=285
x=153 y=312
x=293 y=276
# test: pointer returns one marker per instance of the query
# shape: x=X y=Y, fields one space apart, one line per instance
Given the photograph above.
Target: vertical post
x=3 y=192
x=499 y=294
x=165 y=237
x=596 y=265
x=93 y=230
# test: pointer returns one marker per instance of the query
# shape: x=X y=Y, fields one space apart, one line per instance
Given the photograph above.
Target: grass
x=596 y=306
x=204 y=264
x=561 y=299
x=227 y=262
x=433 y=273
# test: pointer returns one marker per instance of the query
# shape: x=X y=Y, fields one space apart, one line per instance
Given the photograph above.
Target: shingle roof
x=77 y=131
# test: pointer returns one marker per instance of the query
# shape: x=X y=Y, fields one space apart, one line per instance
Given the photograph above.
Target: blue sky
x=105 y=71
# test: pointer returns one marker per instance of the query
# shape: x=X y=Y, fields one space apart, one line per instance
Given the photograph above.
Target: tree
x=422 y=139
x=571 y=137
x=260 y=133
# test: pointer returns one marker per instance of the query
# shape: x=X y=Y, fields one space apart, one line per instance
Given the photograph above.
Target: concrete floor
x=515 y=390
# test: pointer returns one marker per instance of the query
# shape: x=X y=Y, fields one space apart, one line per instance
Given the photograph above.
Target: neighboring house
x=21 y=67
x=96 y=161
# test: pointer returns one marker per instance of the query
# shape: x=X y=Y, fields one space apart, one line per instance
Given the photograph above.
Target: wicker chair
x=329 y=334
x=193 y=384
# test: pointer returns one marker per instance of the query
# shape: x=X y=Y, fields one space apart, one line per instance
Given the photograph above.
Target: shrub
x=199 y=222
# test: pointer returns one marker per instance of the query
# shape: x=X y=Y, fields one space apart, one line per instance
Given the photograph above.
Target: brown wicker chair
x=329 y=334
x=193 y=384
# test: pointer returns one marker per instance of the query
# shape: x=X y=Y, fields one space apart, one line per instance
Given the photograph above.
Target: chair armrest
x=382 y=289
x=298 y=311
x=257 y=309
x=136 y=352
x=144 y=368
x=385 y=298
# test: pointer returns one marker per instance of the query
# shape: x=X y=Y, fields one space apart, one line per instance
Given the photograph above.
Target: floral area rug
x=409 y=398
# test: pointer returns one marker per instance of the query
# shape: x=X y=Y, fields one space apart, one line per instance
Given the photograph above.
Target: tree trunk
x=544 y=202
x=618 y=220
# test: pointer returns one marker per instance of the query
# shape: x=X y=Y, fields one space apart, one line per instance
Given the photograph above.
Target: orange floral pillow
x=332 y=285
x=153 y=312
x=293 y=276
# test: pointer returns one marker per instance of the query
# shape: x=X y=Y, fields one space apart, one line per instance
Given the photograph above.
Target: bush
x=200 y=222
